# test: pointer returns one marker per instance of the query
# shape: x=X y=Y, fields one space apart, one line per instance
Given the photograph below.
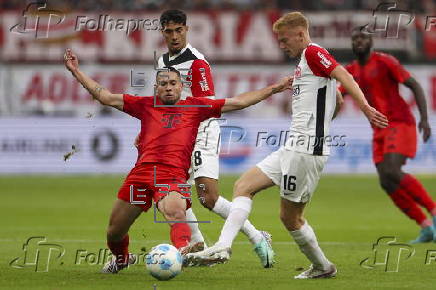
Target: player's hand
x=71 y=61
x=424 y=127
x=136 y=142
x=283 y=84
x=375 y=117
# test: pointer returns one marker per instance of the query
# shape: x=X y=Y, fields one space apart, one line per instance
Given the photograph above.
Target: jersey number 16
x=289 y=182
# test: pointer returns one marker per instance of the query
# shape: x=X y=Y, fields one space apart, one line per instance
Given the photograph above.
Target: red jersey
x=379 y=79
x=168 y=133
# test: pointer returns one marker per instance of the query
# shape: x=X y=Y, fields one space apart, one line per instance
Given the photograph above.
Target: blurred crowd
x=418 y=6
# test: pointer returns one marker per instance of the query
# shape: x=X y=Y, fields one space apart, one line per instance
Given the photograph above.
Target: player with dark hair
x=168 y=130
x=204 y=169
x=379 y=74
x=296 y=167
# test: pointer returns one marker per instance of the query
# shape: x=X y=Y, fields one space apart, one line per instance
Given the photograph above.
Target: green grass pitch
x=348 y=213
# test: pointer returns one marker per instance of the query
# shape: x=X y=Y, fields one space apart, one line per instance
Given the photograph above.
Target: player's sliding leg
x=407 y=193
x=291 y=214
x=197 y=239
x=122 y=217
x=207 y=191
x=173 y=208
x=245 y=188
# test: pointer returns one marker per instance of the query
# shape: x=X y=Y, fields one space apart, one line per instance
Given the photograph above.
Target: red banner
x=221 y=36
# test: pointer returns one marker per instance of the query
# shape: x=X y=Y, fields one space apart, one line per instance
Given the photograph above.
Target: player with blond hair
x=296 y=167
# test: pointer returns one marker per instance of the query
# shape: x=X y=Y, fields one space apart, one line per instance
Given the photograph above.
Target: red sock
x=120 y=249
x=415 y=190
x=404 y=202
x=180 y=235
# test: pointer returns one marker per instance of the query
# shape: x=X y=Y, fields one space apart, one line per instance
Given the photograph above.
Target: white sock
x=222 y=208
x=196 y=236
x=306 y=240
x=241 y=207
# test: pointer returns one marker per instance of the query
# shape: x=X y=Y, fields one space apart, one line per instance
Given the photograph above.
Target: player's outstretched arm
x=250 y=98
x=97 y=91
x=418 y=92
x=344 y=77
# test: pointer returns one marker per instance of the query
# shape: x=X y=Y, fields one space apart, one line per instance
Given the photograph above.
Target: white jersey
x=313 y=102
x=195 y=71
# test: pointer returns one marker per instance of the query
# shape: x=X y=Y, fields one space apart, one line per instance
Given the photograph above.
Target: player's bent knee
x=389 y=179
x=385 y=184
x=173 y=207
x=176 y=214
x=389 y=171
x=241 y=188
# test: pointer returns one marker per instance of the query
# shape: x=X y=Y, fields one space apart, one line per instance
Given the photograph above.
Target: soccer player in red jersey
x=168 y=133
x=378 y=75
x=204 y=171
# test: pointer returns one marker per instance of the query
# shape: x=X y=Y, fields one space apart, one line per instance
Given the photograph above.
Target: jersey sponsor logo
x=324 y=61
x=203 y=83
x=297 y=72
x=171 y=119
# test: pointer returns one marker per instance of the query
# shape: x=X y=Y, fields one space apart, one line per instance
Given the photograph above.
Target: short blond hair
x=291 y=19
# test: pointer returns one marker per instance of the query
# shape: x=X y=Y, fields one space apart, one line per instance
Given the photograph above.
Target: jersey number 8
x=197 y=158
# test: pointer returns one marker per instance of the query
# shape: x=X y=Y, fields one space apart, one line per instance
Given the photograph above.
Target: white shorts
x=205 y=157
x=296 y=173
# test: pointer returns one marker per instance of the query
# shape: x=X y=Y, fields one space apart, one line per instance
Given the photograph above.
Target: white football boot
x=111 y=267
x=314 y=273
x=217 y=254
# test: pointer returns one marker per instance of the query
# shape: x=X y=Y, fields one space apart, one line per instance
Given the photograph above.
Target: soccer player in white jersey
x=205 y=157
x=297 y=166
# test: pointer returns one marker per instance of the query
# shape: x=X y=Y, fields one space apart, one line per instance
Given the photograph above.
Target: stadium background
x=44 y=111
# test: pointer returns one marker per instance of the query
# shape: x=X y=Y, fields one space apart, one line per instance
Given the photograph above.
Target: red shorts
x=143 y=184
x=398 y=138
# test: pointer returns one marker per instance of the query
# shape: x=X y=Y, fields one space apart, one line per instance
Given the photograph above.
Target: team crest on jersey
x=171 y=119
x=295 y=90
x=297 y=72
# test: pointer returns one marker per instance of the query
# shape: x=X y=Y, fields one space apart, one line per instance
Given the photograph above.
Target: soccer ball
x=164 y=262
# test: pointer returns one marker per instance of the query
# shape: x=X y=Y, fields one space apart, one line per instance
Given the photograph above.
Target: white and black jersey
x=313 y=102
